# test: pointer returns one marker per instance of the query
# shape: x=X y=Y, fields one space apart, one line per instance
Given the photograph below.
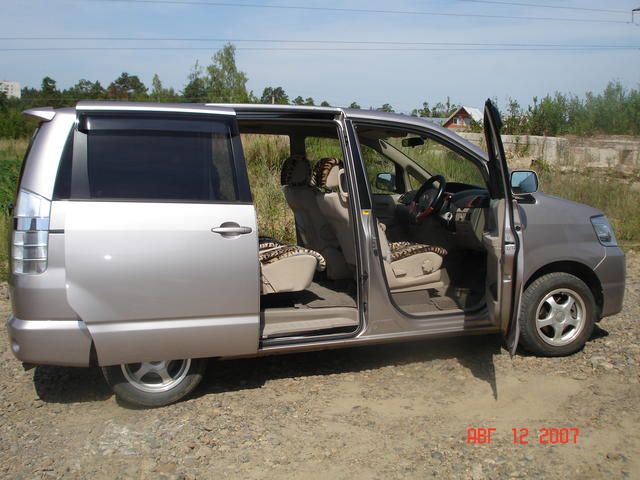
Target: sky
x=403 y=79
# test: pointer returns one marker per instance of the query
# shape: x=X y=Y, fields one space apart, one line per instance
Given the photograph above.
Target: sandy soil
x=377 y=412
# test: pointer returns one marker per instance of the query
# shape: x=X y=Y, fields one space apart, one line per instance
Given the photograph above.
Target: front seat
x=408 y=266
x=314 y=231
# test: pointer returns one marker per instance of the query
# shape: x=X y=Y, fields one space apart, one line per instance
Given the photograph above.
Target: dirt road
x=378 y=412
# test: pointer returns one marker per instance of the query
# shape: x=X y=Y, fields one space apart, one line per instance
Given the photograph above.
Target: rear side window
x=62 y=188
x=156 y=160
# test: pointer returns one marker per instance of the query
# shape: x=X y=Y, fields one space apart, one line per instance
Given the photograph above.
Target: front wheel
x=558 y=315
x=155 y=384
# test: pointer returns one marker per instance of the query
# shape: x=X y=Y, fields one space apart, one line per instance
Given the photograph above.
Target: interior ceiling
x=380 y=133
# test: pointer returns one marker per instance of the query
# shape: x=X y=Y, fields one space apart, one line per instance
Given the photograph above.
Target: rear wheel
x=155 y=384
x=557 y=316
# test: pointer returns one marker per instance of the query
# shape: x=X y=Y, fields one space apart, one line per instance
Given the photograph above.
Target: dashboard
x=463 y=213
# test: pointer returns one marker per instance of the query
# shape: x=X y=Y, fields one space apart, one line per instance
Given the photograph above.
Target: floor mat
x=444 y=303
x=439 y=299
x=317 y=295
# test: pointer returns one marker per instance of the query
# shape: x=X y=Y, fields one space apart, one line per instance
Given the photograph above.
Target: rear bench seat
x=287 y=268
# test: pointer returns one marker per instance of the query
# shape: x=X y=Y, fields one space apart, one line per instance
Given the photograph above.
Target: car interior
x=431 y=206
x=307 y=286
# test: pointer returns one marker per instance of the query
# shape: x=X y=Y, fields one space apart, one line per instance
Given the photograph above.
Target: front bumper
x=50 y=342
x=611 y=272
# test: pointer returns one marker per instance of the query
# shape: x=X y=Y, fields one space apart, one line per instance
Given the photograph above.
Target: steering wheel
x=428 y=199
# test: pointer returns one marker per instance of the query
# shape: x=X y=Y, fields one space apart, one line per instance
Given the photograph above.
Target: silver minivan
x=135 y=244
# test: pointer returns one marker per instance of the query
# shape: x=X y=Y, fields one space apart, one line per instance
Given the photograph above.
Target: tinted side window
x=182 y=165
x=62 y=188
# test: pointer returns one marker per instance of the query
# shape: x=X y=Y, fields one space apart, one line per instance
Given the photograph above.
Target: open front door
x=161 y=245
x=504 y=289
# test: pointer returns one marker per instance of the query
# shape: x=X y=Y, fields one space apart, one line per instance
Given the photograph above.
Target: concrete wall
x=600 y=152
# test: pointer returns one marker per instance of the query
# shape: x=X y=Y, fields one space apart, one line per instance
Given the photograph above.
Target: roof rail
x=45 y=114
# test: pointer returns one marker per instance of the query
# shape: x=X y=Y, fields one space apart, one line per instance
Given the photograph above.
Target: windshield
x=436 y=159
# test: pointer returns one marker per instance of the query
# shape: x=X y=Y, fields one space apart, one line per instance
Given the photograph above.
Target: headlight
x=604 y=232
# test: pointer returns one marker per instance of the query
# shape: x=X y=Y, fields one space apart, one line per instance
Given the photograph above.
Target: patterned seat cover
x=321 y=171
x=400 y=250
x=272 y=250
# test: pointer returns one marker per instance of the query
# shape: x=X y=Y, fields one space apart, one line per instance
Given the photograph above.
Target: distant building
x=10 y=89
x=462 y=118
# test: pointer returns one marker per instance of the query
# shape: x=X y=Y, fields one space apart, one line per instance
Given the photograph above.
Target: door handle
x=231 y=229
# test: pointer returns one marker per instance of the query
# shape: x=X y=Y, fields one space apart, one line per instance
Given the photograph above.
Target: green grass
x=11 y=153
x=265 y=154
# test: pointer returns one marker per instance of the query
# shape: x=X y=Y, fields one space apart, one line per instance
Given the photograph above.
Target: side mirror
x=386 y=182
x=524 y=181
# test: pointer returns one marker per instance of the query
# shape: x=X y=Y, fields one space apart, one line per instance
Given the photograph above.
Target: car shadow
x=70 y=385
x=475 y=353
x=598 y=332
x=78 y=385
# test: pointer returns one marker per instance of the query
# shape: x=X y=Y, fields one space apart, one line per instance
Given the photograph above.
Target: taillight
x=30 y=233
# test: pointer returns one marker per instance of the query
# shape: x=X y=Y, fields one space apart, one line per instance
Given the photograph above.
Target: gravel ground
x=377 y=412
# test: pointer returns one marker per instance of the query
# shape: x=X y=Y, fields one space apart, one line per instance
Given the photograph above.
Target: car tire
x=557 y=315
x=155 y=384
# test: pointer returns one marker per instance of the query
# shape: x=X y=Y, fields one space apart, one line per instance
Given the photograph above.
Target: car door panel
x=137 y=270
x=162 y=279
x=504 y=279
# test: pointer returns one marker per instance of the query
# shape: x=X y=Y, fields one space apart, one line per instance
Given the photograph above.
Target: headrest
x=296 y=171
x=327 y=173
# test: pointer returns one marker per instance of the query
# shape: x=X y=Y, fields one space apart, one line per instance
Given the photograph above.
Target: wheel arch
x=577 y=269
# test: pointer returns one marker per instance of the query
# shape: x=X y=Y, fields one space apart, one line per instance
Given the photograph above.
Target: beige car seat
x=314 y=230
x=287 y=268
x=408 y=266
x=333 y=202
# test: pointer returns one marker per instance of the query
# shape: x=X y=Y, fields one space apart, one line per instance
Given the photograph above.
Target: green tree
x=159 y=93
x=385 y=108
x=48 y=86
x=127 y=87
x=195 y=90
x=49 y=93
x=549 y=116
x=224 y=82
x=355 y=106
x=514 y=120
x=84 y=90
x=13 y=124
x=425 y=111
x=439 y=111
x=275 y=95
x=325 y=104
x=303 y=101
